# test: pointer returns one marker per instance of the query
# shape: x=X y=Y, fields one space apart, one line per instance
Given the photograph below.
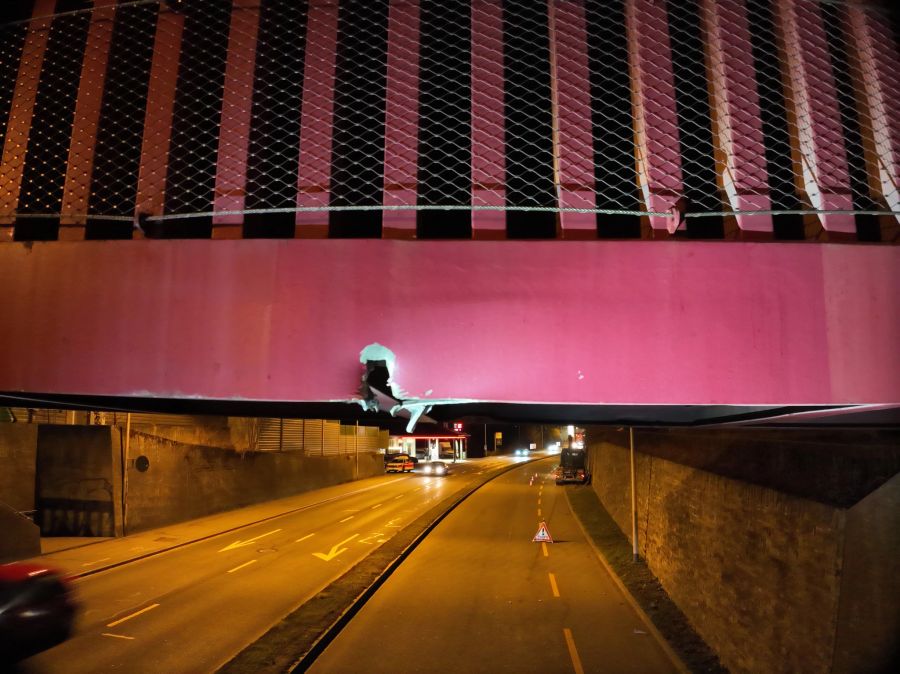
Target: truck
x=573 y=466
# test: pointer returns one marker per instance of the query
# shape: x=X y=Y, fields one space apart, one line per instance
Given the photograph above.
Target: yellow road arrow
x=335 y=551
x=240 y=544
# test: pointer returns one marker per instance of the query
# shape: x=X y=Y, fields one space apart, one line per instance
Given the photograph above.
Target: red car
x=37 y=610
x=401 y=463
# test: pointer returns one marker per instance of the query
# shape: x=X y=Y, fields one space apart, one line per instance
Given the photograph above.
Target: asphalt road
x=478 y=595
x=192 y=608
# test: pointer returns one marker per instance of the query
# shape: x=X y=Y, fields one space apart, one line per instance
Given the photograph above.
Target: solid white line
x=346 y=519
x=96 y=562
x=252 y=561
x=117 y=636
x=573 y=652
x=133 y=615
x=304 y=538
x=553 y=585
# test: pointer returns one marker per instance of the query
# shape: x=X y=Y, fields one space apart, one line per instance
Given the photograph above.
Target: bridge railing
x=416 y=119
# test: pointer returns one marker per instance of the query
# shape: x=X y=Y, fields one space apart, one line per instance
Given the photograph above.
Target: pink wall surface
x=556 y=321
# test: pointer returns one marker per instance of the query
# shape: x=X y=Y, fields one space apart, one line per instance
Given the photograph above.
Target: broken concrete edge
x=376 y=354
x=293 y=644
x=680 y=663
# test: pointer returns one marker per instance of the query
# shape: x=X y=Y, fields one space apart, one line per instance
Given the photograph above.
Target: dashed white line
x=401 y=496
x=252 y=561
x=347 y=519
x=377 y=505
x=117 y=636
x=304 y=538
x=133 y=615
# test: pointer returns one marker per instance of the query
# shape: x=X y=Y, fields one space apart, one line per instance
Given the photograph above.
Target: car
x=37 y=609
x=400 y=463
x=521 y=452
x=435 y=468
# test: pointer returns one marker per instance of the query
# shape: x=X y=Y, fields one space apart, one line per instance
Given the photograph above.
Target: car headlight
x=427 y=469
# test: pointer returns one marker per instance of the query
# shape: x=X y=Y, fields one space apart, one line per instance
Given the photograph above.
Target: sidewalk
x=86 y=556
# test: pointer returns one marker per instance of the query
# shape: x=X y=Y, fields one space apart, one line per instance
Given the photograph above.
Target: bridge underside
x=616 y=332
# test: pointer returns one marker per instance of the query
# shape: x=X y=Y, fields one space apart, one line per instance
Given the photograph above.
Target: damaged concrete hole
x=379 y=390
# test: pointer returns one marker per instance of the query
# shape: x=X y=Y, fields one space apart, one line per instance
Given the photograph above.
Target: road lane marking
x=377 y=505
x=347 y=519
x=240 y=544
x=539 y=500
x=544 y=548
x=553 y=585
x=117 y=636
x=96 y=562
x=539 y=512
x=133 y=615
x=335 y=550
x=418 y=489
x=304 y=538
x=573 y=652
x=401 y=496
x=252 y=561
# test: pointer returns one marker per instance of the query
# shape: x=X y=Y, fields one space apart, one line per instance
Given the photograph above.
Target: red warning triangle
x=542 y=536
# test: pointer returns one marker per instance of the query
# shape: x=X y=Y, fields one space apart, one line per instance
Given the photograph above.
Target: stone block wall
x=868 y=624
x=753 y=564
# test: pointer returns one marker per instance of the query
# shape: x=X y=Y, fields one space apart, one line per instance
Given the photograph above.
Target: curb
x=161 y=551
x=648 y=623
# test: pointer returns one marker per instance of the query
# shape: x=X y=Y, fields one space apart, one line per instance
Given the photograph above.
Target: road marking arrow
x=240 y=544
x=335 y=551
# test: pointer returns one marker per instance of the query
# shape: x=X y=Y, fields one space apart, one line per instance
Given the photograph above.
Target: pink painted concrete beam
x=879 y=62
x=15 y=145
x=820 y=138
x=656 y=121
x=736 y=104
x=234 y=129
x=80 y=165
x=573 y=141
x=488 y=142
x=744 y=323
x=401 y=122
x=316 y=126
x=151 y=188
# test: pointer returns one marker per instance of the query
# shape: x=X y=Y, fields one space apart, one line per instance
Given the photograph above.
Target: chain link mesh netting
x=360 y=114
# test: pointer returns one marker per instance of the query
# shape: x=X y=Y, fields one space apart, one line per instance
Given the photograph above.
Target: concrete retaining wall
x=187 y=481
x=21 y=537
x=752 y=564
x=18 y=451
x=78 y=481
